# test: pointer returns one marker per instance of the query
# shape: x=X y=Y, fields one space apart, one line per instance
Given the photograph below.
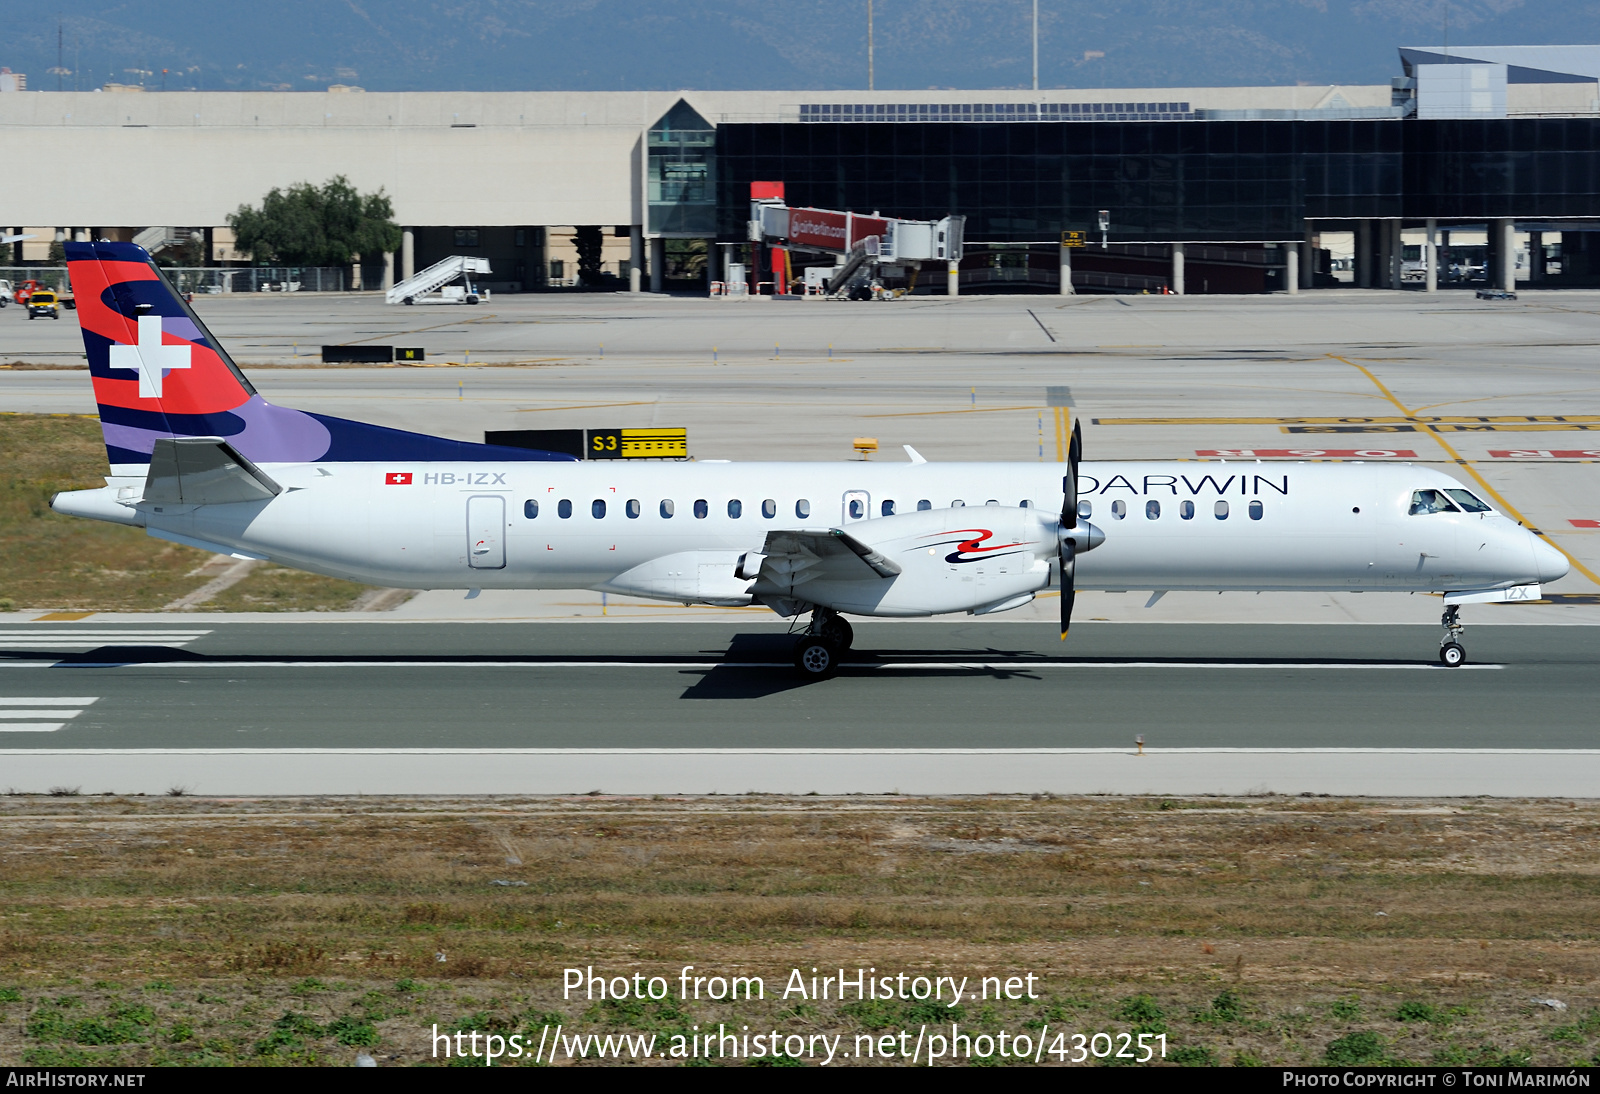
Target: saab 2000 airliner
x=198 y=457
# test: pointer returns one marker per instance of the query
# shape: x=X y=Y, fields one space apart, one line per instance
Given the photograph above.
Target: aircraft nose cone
x=1548 y=562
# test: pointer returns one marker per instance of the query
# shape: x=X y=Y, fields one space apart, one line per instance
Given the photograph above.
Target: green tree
x=327 y=225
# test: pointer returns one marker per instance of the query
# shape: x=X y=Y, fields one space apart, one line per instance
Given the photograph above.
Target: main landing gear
x=1452 y=654
x=817 y=652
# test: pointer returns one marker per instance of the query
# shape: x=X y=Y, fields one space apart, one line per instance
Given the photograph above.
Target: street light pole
x=869 y=47
x=1036 y=45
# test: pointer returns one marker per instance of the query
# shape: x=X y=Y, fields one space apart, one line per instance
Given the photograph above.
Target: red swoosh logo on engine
x=971 y=546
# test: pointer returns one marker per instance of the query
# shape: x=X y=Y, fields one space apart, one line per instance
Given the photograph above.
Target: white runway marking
x=887 y=666
x=52 y=638
x=34 y=706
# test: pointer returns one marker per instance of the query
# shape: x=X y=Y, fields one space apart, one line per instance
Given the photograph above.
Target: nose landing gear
x=1452 y=654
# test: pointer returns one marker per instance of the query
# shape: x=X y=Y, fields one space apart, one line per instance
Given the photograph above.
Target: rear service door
x=486 y=533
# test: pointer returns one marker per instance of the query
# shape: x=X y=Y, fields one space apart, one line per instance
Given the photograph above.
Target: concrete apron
x=1375 y=772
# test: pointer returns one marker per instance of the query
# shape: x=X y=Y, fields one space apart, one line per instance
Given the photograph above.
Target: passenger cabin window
x=1221 y=510
x=769 y=508
x=633 y=509
x=735 y=508
x=1152 y=509
x=530 y=508
x=802 y=508
x=597 y=508
x=992 y=501
x=857 y=508
x=1186 y=510
x=667 y=509
x=1119 y=509
x=1025 y=503
x=887 y=508
x=701 y=509
x=1255 y=510
x=924 y=505
x=958 y=504
x=1424 y=502
x=1086 y=509
x=1468 y=501
x=563 y=509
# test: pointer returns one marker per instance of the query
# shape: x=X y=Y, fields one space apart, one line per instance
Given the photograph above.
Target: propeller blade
x=1069 y=484
x=1069 y=550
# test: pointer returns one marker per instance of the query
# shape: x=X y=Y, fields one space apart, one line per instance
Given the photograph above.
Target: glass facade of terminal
x=682 y=160
x=1196 y=181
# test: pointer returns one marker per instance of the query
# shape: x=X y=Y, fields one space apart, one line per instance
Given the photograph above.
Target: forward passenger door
x=486 y=532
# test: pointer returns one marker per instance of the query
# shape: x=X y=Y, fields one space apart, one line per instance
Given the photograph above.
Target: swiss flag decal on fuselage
x=397 y=478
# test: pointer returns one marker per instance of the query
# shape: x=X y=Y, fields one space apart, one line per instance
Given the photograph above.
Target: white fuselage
x=1202 y=526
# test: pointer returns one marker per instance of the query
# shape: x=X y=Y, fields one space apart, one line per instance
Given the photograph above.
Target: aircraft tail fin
x=157 y=370
x=160 y=374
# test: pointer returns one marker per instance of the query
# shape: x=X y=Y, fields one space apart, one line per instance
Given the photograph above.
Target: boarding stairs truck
x=434 y=285
x=865 y=249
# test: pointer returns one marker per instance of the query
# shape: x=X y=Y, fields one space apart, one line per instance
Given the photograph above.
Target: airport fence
x=232 y=279
x=51 y=277
x=210 y=279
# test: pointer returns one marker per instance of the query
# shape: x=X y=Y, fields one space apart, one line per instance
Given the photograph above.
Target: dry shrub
x=280 y=957
x=426 y=914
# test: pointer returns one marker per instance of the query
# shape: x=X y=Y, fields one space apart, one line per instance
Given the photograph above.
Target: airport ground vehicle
x=43 y=304
x=199 y=457
x=435 y=285
x=25 y=289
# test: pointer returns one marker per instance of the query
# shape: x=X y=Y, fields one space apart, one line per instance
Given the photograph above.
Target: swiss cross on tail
x=150 y=359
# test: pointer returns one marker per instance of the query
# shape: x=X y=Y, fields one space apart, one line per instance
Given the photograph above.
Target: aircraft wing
x=204 y=471
x=793 y=558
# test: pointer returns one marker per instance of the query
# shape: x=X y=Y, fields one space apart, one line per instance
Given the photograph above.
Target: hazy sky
x=497 y=45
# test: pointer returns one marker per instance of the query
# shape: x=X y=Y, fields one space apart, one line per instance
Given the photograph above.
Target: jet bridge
x=863 y=246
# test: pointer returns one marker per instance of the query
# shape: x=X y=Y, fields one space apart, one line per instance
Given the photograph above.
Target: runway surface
x=998 y=686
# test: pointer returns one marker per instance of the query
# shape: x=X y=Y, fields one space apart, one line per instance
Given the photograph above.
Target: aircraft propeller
x=1069 y=524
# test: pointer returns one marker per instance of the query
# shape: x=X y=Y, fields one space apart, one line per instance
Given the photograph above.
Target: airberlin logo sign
x=801 y=229
x=835 y=231
x=974 y=549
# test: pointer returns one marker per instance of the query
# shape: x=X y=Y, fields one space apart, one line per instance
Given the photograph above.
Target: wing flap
x=796 y=557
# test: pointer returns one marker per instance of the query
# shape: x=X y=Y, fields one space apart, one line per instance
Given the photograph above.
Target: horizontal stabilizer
x=204 y=471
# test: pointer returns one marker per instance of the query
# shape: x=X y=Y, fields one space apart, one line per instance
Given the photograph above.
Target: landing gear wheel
x=1452 y=655
x=816 y=658
x=838 y=632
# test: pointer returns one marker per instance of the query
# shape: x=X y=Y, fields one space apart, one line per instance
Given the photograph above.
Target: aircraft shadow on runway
x=760 y=681
x=756 y=664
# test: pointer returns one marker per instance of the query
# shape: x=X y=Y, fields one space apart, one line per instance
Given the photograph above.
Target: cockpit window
x=1430 y=501
x=1469 y=501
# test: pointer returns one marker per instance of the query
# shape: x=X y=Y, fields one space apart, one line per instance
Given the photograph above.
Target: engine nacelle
x=703 y=577
x=949 y=560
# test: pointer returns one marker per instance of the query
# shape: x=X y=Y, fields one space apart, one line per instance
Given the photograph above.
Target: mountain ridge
x=610 y=45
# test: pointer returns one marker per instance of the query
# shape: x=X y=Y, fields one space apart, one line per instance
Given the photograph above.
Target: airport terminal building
x=1491 y=154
